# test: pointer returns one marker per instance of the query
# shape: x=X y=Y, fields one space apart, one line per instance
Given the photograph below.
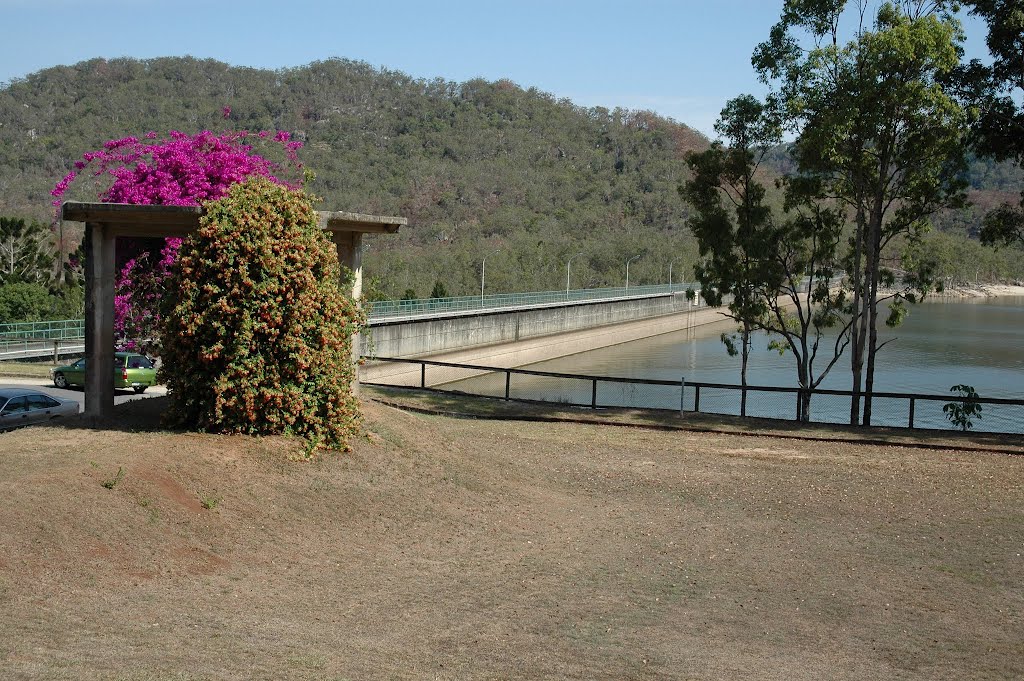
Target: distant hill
x=475 y=166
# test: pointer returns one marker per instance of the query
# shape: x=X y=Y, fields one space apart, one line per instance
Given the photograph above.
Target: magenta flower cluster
x=181 y=170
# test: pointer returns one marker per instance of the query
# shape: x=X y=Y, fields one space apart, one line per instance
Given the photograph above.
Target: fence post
x=56 y=351
x=696 y=398
x=910 y=420
x=682 y=394
x=508 y=382
x=423 y=375
x=593 y=395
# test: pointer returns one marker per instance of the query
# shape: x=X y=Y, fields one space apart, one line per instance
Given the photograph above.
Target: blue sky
x=682 y=59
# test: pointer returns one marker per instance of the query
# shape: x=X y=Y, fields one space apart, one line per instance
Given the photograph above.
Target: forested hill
x=476 y=166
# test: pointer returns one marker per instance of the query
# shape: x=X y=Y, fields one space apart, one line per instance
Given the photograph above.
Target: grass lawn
x=452 y=548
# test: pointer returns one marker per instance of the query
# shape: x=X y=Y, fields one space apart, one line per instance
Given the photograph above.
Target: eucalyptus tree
x=877 y=133
x=730 y=220
x=772 y=272
x=996 y=90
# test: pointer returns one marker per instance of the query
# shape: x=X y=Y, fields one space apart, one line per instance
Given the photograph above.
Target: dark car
x=24 y=407
x=131 y=370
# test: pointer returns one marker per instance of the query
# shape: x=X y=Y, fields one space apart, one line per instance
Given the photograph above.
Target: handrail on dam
x=400 y=309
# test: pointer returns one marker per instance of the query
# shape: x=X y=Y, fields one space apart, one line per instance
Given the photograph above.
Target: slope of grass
x=455 y=548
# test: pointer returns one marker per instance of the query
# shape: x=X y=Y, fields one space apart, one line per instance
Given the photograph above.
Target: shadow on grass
x=136 y=416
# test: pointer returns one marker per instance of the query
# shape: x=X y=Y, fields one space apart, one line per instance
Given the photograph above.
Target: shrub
x=258 y=337
x=965 y=409
x=25 y=302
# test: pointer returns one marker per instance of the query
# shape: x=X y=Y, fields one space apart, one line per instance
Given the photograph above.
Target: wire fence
x=899 y=410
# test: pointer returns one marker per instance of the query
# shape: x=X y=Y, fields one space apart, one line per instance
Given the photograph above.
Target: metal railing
x=899 y=410
x=63 y=329
x=26 y=340
x=390 y=309
x=398 y=309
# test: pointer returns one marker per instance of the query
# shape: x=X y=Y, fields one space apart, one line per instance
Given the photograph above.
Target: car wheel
x=60 y=381
x=139 y=389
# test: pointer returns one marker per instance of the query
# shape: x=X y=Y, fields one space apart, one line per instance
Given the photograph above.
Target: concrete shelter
x=104 y=222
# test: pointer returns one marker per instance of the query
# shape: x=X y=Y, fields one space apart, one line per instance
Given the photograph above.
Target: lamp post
x=627 y=270
x=567 y=266
x=483 y=273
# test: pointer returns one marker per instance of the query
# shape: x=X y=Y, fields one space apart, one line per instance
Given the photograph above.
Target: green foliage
x=27 y=251
x=439 y=291
x=1004 y=226
x=257 y=337
x=995 y=93
x=879 y=136
x=759 y=264
x=961 y=412
x=24 y=302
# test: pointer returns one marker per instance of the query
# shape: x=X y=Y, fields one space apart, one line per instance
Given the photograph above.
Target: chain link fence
x=899 y=410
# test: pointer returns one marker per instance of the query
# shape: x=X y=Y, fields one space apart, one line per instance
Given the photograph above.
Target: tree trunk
x=857 y=323
x=745 y=354
x=873 y=275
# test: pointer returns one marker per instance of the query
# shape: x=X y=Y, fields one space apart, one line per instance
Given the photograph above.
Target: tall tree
x=775 y=272
x=877 y=132
x=995 y=90
x=730 y=220
x=26 y=252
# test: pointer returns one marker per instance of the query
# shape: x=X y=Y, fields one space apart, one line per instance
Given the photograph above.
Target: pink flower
x=182 y=170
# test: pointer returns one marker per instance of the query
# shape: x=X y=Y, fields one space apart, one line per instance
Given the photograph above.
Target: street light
x=483 y=273
x=567 y=266
x=627 y=269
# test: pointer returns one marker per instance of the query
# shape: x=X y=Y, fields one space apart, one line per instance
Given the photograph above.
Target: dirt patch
x=455 y=548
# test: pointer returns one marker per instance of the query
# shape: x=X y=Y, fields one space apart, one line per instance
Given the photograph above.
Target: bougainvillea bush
x=258 y=338
x=179 y=170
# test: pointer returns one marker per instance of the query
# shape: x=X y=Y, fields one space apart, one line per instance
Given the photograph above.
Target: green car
x=131 y=370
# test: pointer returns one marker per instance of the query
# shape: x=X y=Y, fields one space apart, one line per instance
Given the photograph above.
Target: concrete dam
x=516 y=335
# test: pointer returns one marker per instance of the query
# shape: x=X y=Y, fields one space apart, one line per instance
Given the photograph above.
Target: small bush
x=257 y=332
x=965 y=409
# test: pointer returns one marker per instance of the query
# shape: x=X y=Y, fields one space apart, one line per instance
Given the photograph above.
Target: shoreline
x=979 y=291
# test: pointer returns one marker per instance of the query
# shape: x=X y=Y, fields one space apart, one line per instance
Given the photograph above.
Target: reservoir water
x=943 y=342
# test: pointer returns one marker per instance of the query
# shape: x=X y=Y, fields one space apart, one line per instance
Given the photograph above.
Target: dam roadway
x=516 y=331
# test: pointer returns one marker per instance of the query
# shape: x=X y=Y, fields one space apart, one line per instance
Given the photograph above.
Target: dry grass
x=447 y=548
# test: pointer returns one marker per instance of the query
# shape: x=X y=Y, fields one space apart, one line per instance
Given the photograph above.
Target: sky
x=681 y=59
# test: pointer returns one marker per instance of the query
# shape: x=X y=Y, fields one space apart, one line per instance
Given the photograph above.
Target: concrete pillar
x=99 y=321
x=350 y=255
